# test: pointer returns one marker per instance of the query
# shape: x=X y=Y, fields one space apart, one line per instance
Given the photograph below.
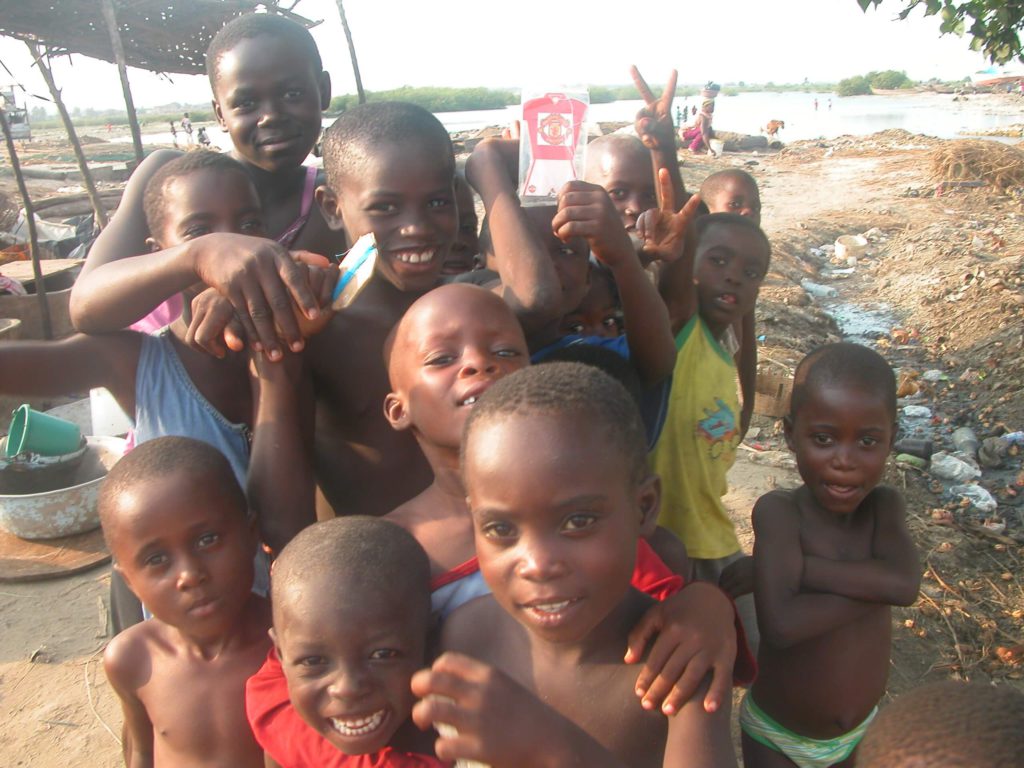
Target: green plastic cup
x=41 y=433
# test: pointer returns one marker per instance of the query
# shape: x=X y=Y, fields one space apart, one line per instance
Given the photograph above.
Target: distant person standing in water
x=830 y=105
x=815 y=105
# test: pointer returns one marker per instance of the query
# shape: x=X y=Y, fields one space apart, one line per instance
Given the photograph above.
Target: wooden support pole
x=110 y=17
x=30 y=220
x=352 y=52
x=69 y=128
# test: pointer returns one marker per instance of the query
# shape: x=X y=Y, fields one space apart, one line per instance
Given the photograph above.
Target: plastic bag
x=980 y=499
x=917 y=412
x=950 y=467
x=821 y=291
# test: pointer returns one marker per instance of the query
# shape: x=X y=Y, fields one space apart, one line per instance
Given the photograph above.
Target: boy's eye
x=576 y=328
x=868 y=442
x=439 y=202
x=381 y=207
x=310 y=662
x=507 y=353
x=252 y=225
x=617 y=194
x=440 y=360
x=207 y=540
x=155 y=560
x=822 y=439
x=753 y=274
x=294 y=93
x=384 y=654
x=499 y=530
x=610 y=322
x=579 y=522
x=193 y=232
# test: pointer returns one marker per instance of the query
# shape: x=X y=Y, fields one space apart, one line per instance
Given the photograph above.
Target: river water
x=927 y=113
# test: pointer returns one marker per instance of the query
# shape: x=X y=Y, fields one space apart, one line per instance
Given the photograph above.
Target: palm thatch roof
x=158 y=35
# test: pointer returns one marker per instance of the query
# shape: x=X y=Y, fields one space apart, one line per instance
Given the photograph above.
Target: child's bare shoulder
x=776 y=504
x=884 y=500
x=128 y=658
x=475 y=628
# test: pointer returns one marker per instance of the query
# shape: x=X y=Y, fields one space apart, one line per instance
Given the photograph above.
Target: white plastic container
x=717 y=147
x=108 y=418
x=851 y=248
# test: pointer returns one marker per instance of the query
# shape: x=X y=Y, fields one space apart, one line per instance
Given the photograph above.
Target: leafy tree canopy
x=993 y=25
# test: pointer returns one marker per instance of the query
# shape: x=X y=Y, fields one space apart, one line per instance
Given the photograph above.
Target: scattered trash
x=995 y=450
x=966 y=441
x=949 y=467
x=904 y=335
x=979 y=498
x=908 y=385
x=934 y=375
x=781 y=459
x=923 y=449
x=816 y=289
x=994 y=526
x=849 y=248
x=917 y=412
x=942 y=517
x=911 y=460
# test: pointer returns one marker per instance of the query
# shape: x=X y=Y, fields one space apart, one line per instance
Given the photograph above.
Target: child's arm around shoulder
x=893 y=573
x=123 y=660
x=785 y=615
x=585 y=210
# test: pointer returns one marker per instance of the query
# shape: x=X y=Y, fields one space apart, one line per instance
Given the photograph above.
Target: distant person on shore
x=830 y=105
x=186 y=126
x=815 y=105
x=174 y=134
x=697 y=137
x=202 y=138
x=830 y=558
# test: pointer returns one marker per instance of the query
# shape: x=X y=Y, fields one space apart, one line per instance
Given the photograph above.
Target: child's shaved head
x=717 y=181
x=355 y=134
x=360 y=555
x=156 y=459
x=847 y=364
x=154 y=200
x=584 y=392
x=254 y=25
x=947 y=725
x=621 y=145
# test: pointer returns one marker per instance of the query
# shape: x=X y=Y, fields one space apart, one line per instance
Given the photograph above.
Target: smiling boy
x=351 y=608
x=830 y=558
x=176 y=522
x=555 y=470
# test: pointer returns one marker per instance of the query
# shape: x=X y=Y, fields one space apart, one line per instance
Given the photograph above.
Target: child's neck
x=444 y=463
x=250 y=625
x=273 y=186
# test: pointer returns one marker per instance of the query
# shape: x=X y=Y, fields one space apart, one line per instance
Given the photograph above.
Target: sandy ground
x=57 y=709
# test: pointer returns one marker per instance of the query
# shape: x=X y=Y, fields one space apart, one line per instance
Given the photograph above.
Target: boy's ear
x=273 y=639
x=219 y=115
x=396 y=413
x=330 y=207
x=649 y=501
x=787 y=426
x=324 y=84
x=153 y=245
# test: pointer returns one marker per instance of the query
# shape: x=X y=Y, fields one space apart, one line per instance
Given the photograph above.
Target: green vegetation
x=91 y=117
x=434 y=99
x=861 y=85
x=993 y=25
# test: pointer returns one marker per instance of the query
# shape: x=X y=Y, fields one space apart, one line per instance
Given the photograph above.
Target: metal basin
x=64 y=511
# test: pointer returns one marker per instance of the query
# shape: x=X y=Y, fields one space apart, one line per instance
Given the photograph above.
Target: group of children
x=526 y=557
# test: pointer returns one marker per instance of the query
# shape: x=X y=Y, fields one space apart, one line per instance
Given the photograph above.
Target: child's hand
x=214 y=327
x=694 y=634
x=490 y=711
x=654 y=122
x=665 y=233
x=262 y=281
x=738 y=577
x=323 y=277
x=585 y=210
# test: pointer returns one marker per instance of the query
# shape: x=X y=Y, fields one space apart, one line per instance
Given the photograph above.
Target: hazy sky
x=447 y=43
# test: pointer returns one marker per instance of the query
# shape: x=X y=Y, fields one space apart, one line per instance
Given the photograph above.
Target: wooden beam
x=110 y=17
x=69 y=128
x=30 y=220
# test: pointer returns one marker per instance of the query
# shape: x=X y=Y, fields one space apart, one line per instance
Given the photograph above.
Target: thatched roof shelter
x=159 y=35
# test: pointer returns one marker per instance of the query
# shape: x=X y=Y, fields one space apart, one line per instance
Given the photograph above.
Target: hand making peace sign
x=654 y=122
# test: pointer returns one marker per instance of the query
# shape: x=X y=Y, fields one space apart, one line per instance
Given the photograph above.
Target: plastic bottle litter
x=966 y=441
x=917 y=412
x=994 y=450
x=980 y=498
x=949 y=467
x=923 y=449
x=816 y=289
x=780 y=459
x=934 y=375
x=914 y=461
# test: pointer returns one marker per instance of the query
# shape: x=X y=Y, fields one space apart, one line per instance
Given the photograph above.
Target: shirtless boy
x=269 y=90
x=177 y=525
x=554 y=459
x=830 y=558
